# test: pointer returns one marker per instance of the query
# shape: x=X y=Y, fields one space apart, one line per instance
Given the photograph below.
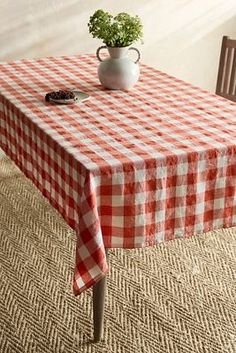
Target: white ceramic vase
x=118 y=71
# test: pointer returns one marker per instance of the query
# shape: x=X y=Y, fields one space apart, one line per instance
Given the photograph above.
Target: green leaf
x=121 y=30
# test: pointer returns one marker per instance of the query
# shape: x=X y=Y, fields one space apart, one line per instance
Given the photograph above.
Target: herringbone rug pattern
x=178 y=297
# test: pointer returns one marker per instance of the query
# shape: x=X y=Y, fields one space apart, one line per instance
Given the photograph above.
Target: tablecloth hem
x=149 y=243
x=77 y=291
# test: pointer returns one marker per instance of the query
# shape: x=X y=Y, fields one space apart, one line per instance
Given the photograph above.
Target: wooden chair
x=226 y=80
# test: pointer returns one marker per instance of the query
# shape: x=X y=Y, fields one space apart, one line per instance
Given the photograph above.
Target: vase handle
x=98 y=51
x=138 y=52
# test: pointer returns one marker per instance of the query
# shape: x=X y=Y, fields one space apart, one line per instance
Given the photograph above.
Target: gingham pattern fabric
x=125 y=169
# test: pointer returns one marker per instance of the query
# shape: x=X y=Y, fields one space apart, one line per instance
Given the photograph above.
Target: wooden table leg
x=99 y=295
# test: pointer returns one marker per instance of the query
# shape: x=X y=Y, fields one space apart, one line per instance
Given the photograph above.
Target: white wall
x=182 y=37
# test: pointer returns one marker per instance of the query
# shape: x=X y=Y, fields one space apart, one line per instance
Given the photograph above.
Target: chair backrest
x=226 y=81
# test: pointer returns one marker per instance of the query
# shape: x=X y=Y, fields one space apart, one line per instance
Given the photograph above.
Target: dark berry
x=62 y=94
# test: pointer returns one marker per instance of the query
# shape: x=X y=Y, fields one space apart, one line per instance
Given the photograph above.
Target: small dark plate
x=63 y=101
x=79 y=96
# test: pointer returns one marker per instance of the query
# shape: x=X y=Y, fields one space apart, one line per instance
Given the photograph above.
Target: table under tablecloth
x=126 y=168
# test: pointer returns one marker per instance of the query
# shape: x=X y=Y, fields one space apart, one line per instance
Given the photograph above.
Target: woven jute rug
x=176 y=297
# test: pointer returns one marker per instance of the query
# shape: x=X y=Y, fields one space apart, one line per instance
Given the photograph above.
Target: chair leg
x=99 y=295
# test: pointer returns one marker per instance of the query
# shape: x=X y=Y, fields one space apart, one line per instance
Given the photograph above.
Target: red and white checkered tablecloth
x=125 y=168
